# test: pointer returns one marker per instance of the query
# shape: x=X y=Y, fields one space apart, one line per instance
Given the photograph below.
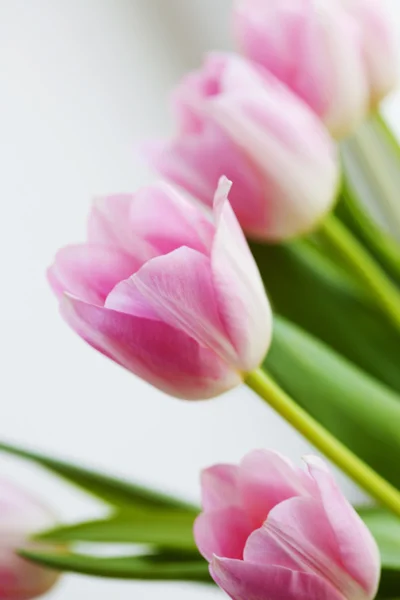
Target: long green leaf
x=116 y=492
x=381 y=245
x=306 y=288
x=166 y=528
x=156 y=568
x=385 y=528
x=357 y=409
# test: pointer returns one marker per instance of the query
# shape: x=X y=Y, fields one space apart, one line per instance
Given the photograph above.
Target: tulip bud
x=379 y=47
x=168 y=291
x=238 y=120
x=315 y=48
x=20 y=517
x=271 y=531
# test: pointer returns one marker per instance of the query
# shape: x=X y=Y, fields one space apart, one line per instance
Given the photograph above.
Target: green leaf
x=159 y=567
x=116 y=492
x=308 y=289
x=385 y=527
x=383 y=247
x=167 y=529
x=357 y=409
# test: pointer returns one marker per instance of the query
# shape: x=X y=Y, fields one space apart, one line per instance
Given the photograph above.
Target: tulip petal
x=269 y=127
x=265 y=479
x=223 y=532
x=165 y=219
x=196 y=162
x=163 y=356
x=179 y=288
x=219 y=487
x=242 y=301
x=89 y=272
x=379 y=46
x=298 y=45
x=242 y=580
x=110 y=224
x=358 y=550
x=297 y=535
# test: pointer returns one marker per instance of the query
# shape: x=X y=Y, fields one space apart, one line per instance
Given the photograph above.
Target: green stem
x=364 y=266
x=387 y=495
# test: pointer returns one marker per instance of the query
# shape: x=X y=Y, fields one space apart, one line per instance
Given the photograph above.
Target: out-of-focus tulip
x=20 y=517
x=272 y=531
x=168 y=291
x=241 y=122
x=313 y=46
x=379 y=46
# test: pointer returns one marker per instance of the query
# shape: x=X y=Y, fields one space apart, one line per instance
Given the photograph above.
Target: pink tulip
x=168 y=291
x=243 y=123
x=20 y=517
x=274 y=532
x=315 y=48
x=380 y=51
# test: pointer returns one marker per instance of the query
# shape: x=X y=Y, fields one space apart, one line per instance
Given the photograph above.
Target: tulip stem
x=364 y=266
x=375 y=485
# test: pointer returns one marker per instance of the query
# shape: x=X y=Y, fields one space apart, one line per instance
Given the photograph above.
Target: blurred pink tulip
x=20 y=517
x=272 y=531
x=380 y=50
x=239 y=121
x=314 y=47
x=168 y=291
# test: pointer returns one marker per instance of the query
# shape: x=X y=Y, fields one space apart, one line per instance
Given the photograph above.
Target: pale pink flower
x=380 y=49
x=240 y=121
x=274 y=532
x=167 y=290
x=314 y=47
x=20 y=516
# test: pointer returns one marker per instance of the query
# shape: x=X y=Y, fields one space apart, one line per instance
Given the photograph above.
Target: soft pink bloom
x=380 y=50
x=274 y=532
x=314 y=47
x=167 y=290
x=239 y=121
x=20 y=517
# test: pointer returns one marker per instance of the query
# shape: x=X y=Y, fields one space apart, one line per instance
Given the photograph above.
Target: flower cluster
x=166 y=285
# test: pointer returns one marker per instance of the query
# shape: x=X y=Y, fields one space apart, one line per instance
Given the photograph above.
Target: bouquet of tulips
x=269 y=255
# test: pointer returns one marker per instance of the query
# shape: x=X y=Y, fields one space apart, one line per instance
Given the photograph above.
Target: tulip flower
x=316 y=48
x=239 y=121
x=20 y=517
x=379 y=46
x=272 y=531
x=167 y=290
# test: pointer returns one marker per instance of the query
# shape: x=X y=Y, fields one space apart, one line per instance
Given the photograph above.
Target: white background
x=81 y=82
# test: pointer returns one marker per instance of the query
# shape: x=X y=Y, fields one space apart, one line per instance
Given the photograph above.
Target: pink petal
x=196 y=162
x=110 y=224
x=242 y=301
x=179 y=288
x=280 y=135
x=223 y=532
x=297 y=535
x=267 y=478
x=219 y=487
x=379 y=46
x=246 y=581
x=89 y=272
x=165 y=219
x=298 y=45
x=163 y=356
x=194 y=87
x=357 y=548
